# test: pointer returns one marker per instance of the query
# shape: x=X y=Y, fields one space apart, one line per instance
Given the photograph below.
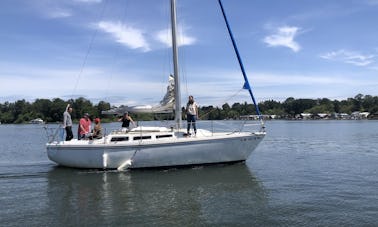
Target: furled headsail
x=166 y=105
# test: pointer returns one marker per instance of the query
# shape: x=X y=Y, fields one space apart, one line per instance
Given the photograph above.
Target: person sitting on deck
x=97 y=131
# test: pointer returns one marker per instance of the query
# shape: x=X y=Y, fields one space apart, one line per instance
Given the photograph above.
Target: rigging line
x=184 y=76
x=225 y=101
x=116 y=54
x=88 y=50
x=181 y=56
x=182 y=68
x=167 y=65
x=246 y=84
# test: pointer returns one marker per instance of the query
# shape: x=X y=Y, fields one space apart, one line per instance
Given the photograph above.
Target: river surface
x=304 y=173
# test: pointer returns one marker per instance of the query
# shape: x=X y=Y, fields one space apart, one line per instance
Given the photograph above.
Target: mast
x=175 y=66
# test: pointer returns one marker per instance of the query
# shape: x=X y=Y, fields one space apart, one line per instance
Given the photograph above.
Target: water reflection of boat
x=208 y=195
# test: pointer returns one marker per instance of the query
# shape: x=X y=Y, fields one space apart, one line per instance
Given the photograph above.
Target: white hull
x=107 y=153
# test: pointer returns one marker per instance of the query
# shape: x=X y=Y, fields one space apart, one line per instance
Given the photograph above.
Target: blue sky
x=118 y=50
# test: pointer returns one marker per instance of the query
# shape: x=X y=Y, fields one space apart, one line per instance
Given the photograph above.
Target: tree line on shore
x=52 y=110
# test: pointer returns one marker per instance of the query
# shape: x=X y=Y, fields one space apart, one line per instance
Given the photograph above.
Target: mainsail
x=166 y=105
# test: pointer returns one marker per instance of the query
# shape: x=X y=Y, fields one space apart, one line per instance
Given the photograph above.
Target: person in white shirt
x=191 y=114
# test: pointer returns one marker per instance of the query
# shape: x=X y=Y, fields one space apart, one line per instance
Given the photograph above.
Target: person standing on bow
x=126 y=119
x=191 y=114
x=67 y=122
x=84 y=127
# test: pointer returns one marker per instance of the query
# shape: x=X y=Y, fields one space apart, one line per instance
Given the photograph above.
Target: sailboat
x=153 y=147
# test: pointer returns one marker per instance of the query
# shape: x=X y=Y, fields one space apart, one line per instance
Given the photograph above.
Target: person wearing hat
x=126 y=119
x=84 y=126
x=97 y=131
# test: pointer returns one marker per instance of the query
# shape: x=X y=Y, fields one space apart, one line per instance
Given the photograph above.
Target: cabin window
x=142 y=137
x=163 y=136
x=117 y=139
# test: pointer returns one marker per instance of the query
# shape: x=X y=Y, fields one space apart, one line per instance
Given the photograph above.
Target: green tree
x=233 y=114
x=81 y=106
x=357 y=102
x=22 y=111
x=43 y=107
x=226 y=107
x=58 y=106
x=346 y=106
x=101 y=106
x=271 y=107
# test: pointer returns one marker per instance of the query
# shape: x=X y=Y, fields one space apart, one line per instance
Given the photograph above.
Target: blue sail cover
x=246 y=84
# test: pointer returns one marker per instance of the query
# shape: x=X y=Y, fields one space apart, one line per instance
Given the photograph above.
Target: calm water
x=304 y=173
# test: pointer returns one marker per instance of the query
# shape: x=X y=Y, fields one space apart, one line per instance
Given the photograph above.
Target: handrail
x=52 y=133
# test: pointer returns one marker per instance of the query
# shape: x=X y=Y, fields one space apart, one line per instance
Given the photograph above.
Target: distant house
x=342 y=116
x=36 y=121
x=306 y=115
x=373 y=116
x=249 y=117
x=364 y=114
x=323 y=115
x=359 y=115
x=256 y=117
x=273 y=116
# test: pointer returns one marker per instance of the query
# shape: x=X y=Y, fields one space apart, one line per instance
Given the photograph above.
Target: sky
x=118 y=51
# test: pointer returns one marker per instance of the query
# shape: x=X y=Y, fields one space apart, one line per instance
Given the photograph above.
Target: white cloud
x=59 y=13
x=124 y=34
x=164 y=36
x=25 y=81
x=282 y=79
x=349 y=57
x=271 y=84
x=284 y=36
x=270 y=79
